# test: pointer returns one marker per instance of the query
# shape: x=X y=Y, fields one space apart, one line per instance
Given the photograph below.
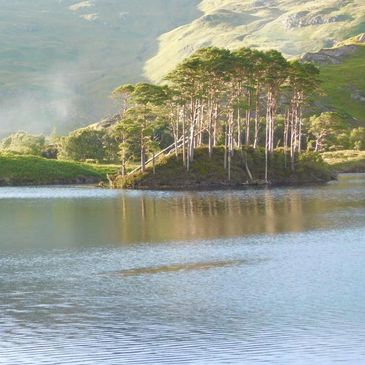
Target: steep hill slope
x=343 y=78
x=60 y=59
x=291 y=26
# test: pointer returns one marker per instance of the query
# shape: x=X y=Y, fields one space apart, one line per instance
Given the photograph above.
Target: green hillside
x=344 y=86
x=291 y=26
x=59 y=60
x=32 y=170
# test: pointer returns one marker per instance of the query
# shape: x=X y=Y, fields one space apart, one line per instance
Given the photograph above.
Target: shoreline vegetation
x=247 y=170
x=348 y=161
x=221 y=119
x=223 y=101
x=20 y=170
x=237 y=118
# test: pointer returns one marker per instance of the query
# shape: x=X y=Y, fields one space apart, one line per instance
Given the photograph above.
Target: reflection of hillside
x=136 y=216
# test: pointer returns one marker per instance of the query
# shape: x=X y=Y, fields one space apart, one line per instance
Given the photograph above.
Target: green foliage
x=346 y=161
x=330 y=132
x=209 y=172
x=89 y=144
x=23 y=143
x=312 y=163
x=144 y=106
x=343 y=86
x=212 y=96
x=357 y=138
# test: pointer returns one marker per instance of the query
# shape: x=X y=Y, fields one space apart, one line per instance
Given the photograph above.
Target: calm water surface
x=91 y=276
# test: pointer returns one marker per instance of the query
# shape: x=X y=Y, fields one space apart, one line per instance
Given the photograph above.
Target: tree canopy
x=222 y=97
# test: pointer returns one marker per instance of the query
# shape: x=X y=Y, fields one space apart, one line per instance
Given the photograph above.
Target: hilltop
x=290 y=26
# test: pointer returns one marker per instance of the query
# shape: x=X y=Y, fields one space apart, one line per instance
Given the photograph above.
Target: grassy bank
x=31 y=170
x=346 y=161
x=210 y=173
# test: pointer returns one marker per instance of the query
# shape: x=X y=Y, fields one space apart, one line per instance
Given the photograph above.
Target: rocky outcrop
x=329 y=56
x=263 y=3
x=107 y=123
x=357 y=95
x=307 y=18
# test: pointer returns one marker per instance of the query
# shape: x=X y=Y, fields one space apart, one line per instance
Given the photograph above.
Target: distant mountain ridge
x=60 y=59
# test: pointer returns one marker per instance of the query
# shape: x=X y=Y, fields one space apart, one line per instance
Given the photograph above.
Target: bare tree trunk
x=175 y=131
x=270 y=116
x=210 y=122
x=192 y=134
x=248 y=119
x=244 y=158
x=192 y=131
x=184 y=136
x=188 y=154
x=123 y=170
x=300 y=100
x=267 y=140
x=215 y=125
x=230 y=142
x=226 y=146
x=143 y=155
x=292 y=140
x=192 y=142
x=200 y=125
x=257 y=117
x=239 y=132
x=286 y=136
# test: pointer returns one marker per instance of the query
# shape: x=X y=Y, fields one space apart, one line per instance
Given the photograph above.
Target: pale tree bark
x=239 y=132
x=248 y=118
x=257 y=117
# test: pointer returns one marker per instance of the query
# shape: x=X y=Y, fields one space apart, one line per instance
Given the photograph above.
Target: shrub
x=89 y=144
x=24 y=144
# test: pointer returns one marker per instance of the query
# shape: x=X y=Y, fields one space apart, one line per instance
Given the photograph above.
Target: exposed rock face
x=306 y=18
x=357 y=95
x=296 y=20
x=262 y=3
x=330 y=56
